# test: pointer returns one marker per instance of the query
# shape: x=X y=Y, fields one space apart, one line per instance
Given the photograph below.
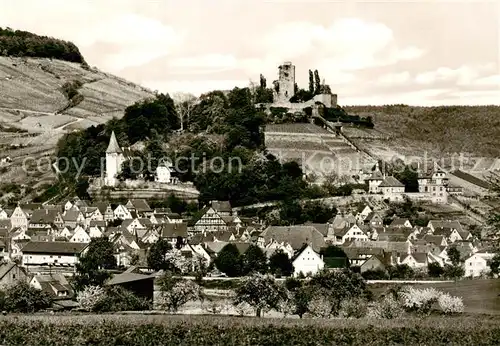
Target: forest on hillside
x=20 y=43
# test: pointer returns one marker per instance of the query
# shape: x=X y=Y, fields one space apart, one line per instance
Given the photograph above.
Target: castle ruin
x=284 y=87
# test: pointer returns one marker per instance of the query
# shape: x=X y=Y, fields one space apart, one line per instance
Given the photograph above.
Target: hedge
x=211 y=330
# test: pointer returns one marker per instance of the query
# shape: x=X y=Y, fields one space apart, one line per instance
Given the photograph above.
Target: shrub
x=450 y=305
x=216 y=306
x=320 y=306
x=387 y=308
x=376 y=274
x=244 y=309
x=354 y=307
x=119 y=299
x=21 y=297
x=90 y=297
x=419 y=300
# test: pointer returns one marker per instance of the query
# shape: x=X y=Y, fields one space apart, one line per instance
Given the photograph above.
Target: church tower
x=114 y=160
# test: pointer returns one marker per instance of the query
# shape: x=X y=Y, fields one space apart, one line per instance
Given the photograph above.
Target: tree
x=317 y=82
x=260 y=292
x=263 y=83
x=175 y=293
x=156 y=257
x=311 y=82
x=280 y=264
x=92 y=268
x=22 y=297
x=495 y=263
x=185 y=104
x=435 y=270
x=400 y=271
x=454 y=255
x=339 y=285
x=254 y=260
x=229 y=261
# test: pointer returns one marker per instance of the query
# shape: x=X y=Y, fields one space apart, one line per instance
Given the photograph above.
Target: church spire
x=113 y=147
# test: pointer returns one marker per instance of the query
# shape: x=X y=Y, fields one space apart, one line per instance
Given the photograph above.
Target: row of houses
x=134 y=226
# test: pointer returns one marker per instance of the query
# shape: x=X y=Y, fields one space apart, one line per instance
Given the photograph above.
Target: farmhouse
x=52 y=253
x=478 y=264
x=307 y=261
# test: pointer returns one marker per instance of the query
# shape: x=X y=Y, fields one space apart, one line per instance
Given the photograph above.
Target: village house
x=106 y=210
x=307 y=261
x=3 y=214
x=121 y=212
x=44 y=218
x=140 y=206
x=20 y=218
x=52 y=253
x=353 y=232
x=80 y=235
x=414 y=260
x=55 y=285
x=216 y=217
x=296 y=236
x=374 y=220
x=73 y=217
x=10 y=273
x=392 y=189
x=478 y=264
x=174 y=233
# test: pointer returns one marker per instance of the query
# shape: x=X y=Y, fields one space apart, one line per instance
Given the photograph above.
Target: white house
x=80 y=236
x=307 y=262
x=53 y=253
x=164 y=172
x=392 y=189
x=19 y=218
x=121 y=212
x=478 y=264
x=3 y=214
x=354 y=233
x=415 y=260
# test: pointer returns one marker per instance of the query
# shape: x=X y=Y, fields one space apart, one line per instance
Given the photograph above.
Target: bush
x=90 y=297
x=320 y=306
x=376 y=274
x=450 y=305
x=119 y=299
x=354 y=307
x=216 y=306
x=21 y=297
x=419 y=300
x=387 y=308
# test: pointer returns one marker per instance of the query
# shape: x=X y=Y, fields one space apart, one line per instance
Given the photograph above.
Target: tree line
x=25 y=44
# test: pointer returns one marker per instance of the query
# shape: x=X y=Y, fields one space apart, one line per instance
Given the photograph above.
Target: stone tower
x=114 y=160
x=285 y=83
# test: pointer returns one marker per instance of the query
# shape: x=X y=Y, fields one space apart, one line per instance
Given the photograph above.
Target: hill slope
x=35 y=110
x=432 y=131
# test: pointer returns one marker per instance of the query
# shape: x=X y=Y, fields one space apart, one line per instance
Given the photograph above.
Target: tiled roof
x=296 y=236
x=54 y=247
x=391 y=182
x=173 y=230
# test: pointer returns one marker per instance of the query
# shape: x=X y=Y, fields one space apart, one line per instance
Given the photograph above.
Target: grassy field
x=479 y=296
x=219 y=330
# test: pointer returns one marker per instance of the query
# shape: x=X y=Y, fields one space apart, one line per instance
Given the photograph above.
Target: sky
x=370 y=52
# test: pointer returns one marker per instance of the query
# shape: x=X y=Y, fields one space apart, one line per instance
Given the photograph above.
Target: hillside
x=435 y=131
x=36 y=109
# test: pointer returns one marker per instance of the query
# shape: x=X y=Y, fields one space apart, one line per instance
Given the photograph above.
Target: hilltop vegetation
x=446 y=129
x=244 y=174
x=25 y=44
